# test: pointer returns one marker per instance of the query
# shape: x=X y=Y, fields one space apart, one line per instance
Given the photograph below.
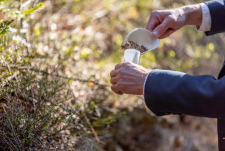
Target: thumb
x=162 y=28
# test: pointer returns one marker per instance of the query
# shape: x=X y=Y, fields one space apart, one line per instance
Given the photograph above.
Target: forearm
x=193 y=14
x=179 y=93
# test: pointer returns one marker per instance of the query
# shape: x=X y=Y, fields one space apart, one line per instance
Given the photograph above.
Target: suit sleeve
x=217 y=12
x=175 y=92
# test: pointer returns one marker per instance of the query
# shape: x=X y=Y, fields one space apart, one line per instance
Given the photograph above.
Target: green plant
x=39 y=107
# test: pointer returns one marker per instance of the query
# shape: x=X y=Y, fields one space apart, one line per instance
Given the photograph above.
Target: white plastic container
x=142 y=37
x=132 y=55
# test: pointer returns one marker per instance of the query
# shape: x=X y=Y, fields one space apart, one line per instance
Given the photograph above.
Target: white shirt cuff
x=206 y=18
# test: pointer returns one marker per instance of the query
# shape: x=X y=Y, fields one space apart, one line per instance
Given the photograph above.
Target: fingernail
x=156 y=33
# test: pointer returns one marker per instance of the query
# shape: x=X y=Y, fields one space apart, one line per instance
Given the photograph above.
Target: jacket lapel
x=222 y=71
x=221 y=134
x=221 y=122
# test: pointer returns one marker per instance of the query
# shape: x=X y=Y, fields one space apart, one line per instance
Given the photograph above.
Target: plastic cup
x=132 y=55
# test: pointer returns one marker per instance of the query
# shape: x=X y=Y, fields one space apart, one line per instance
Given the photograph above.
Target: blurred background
x=72 y=45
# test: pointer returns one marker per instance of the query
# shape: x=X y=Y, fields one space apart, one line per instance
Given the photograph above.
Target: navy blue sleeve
x=217 y=12
x=175 y=92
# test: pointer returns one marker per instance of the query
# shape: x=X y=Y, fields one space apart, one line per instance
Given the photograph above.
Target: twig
x=13 y=130
x=9 y=79
x=64 y=77
x=105 y=136
x=71 y=113
x=81 y=138
x=92 y=129
x=35 y=3
x=8 y=141
x=54 y=103
x=43 y=145
x=9 y=68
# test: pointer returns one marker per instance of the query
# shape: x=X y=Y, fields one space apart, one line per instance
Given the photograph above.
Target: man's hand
x=128 y=78
x=165 y=22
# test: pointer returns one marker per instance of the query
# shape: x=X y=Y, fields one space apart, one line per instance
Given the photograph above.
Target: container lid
x=143 y=37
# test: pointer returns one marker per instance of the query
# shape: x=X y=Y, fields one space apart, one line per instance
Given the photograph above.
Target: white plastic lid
x=143 y=37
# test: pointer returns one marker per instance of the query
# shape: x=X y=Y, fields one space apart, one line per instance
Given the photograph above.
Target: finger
x=167 y=33
x=153 y=21
x=162 y=28
x=114 y=80
x=120 y=93
x=115 y=89
x=113 y=73
x=118 y=66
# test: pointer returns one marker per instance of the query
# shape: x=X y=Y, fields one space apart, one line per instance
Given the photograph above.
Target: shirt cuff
x=206 y=18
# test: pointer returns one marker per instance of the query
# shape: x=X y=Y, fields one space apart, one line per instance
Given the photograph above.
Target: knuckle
x=113 y=88
x=117 y=66
x=121 y=86
x=171 y=19
x=154 y=12
x=111 y=80
x=111 y=73
x=126 y=64
x=114 y=80
x=119 y=77
x=119 y=71
x=160 y=29
x=163 y=27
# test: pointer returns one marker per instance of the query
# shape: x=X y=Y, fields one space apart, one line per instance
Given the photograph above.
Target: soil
x=134 y=45
x=139 y=131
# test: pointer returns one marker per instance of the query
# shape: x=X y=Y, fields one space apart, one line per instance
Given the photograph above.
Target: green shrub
x=40 y=108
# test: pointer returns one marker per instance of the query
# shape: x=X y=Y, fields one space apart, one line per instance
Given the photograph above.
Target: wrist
x=193 y=14
x=146 y=76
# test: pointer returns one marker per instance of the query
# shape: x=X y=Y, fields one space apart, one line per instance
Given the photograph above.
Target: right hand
x=128 y=78
x=165 y=22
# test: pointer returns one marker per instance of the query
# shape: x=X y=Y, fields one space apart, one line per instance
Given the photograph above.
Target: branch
x=64 y=77
x=92 y=129
x=71 y=112
x=9 y=79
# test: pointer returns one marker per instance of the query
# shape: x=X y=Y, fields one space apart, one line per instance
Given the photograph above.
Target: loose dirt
x=134 y=45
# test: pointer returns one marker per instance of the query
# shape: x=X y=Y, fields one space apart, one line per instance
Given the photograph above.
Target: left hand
x=163 y=23
x=128 y=78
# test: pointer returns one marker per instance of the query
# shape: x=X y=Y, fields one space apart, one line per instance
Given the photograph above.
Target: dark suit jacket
x=175 y=92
